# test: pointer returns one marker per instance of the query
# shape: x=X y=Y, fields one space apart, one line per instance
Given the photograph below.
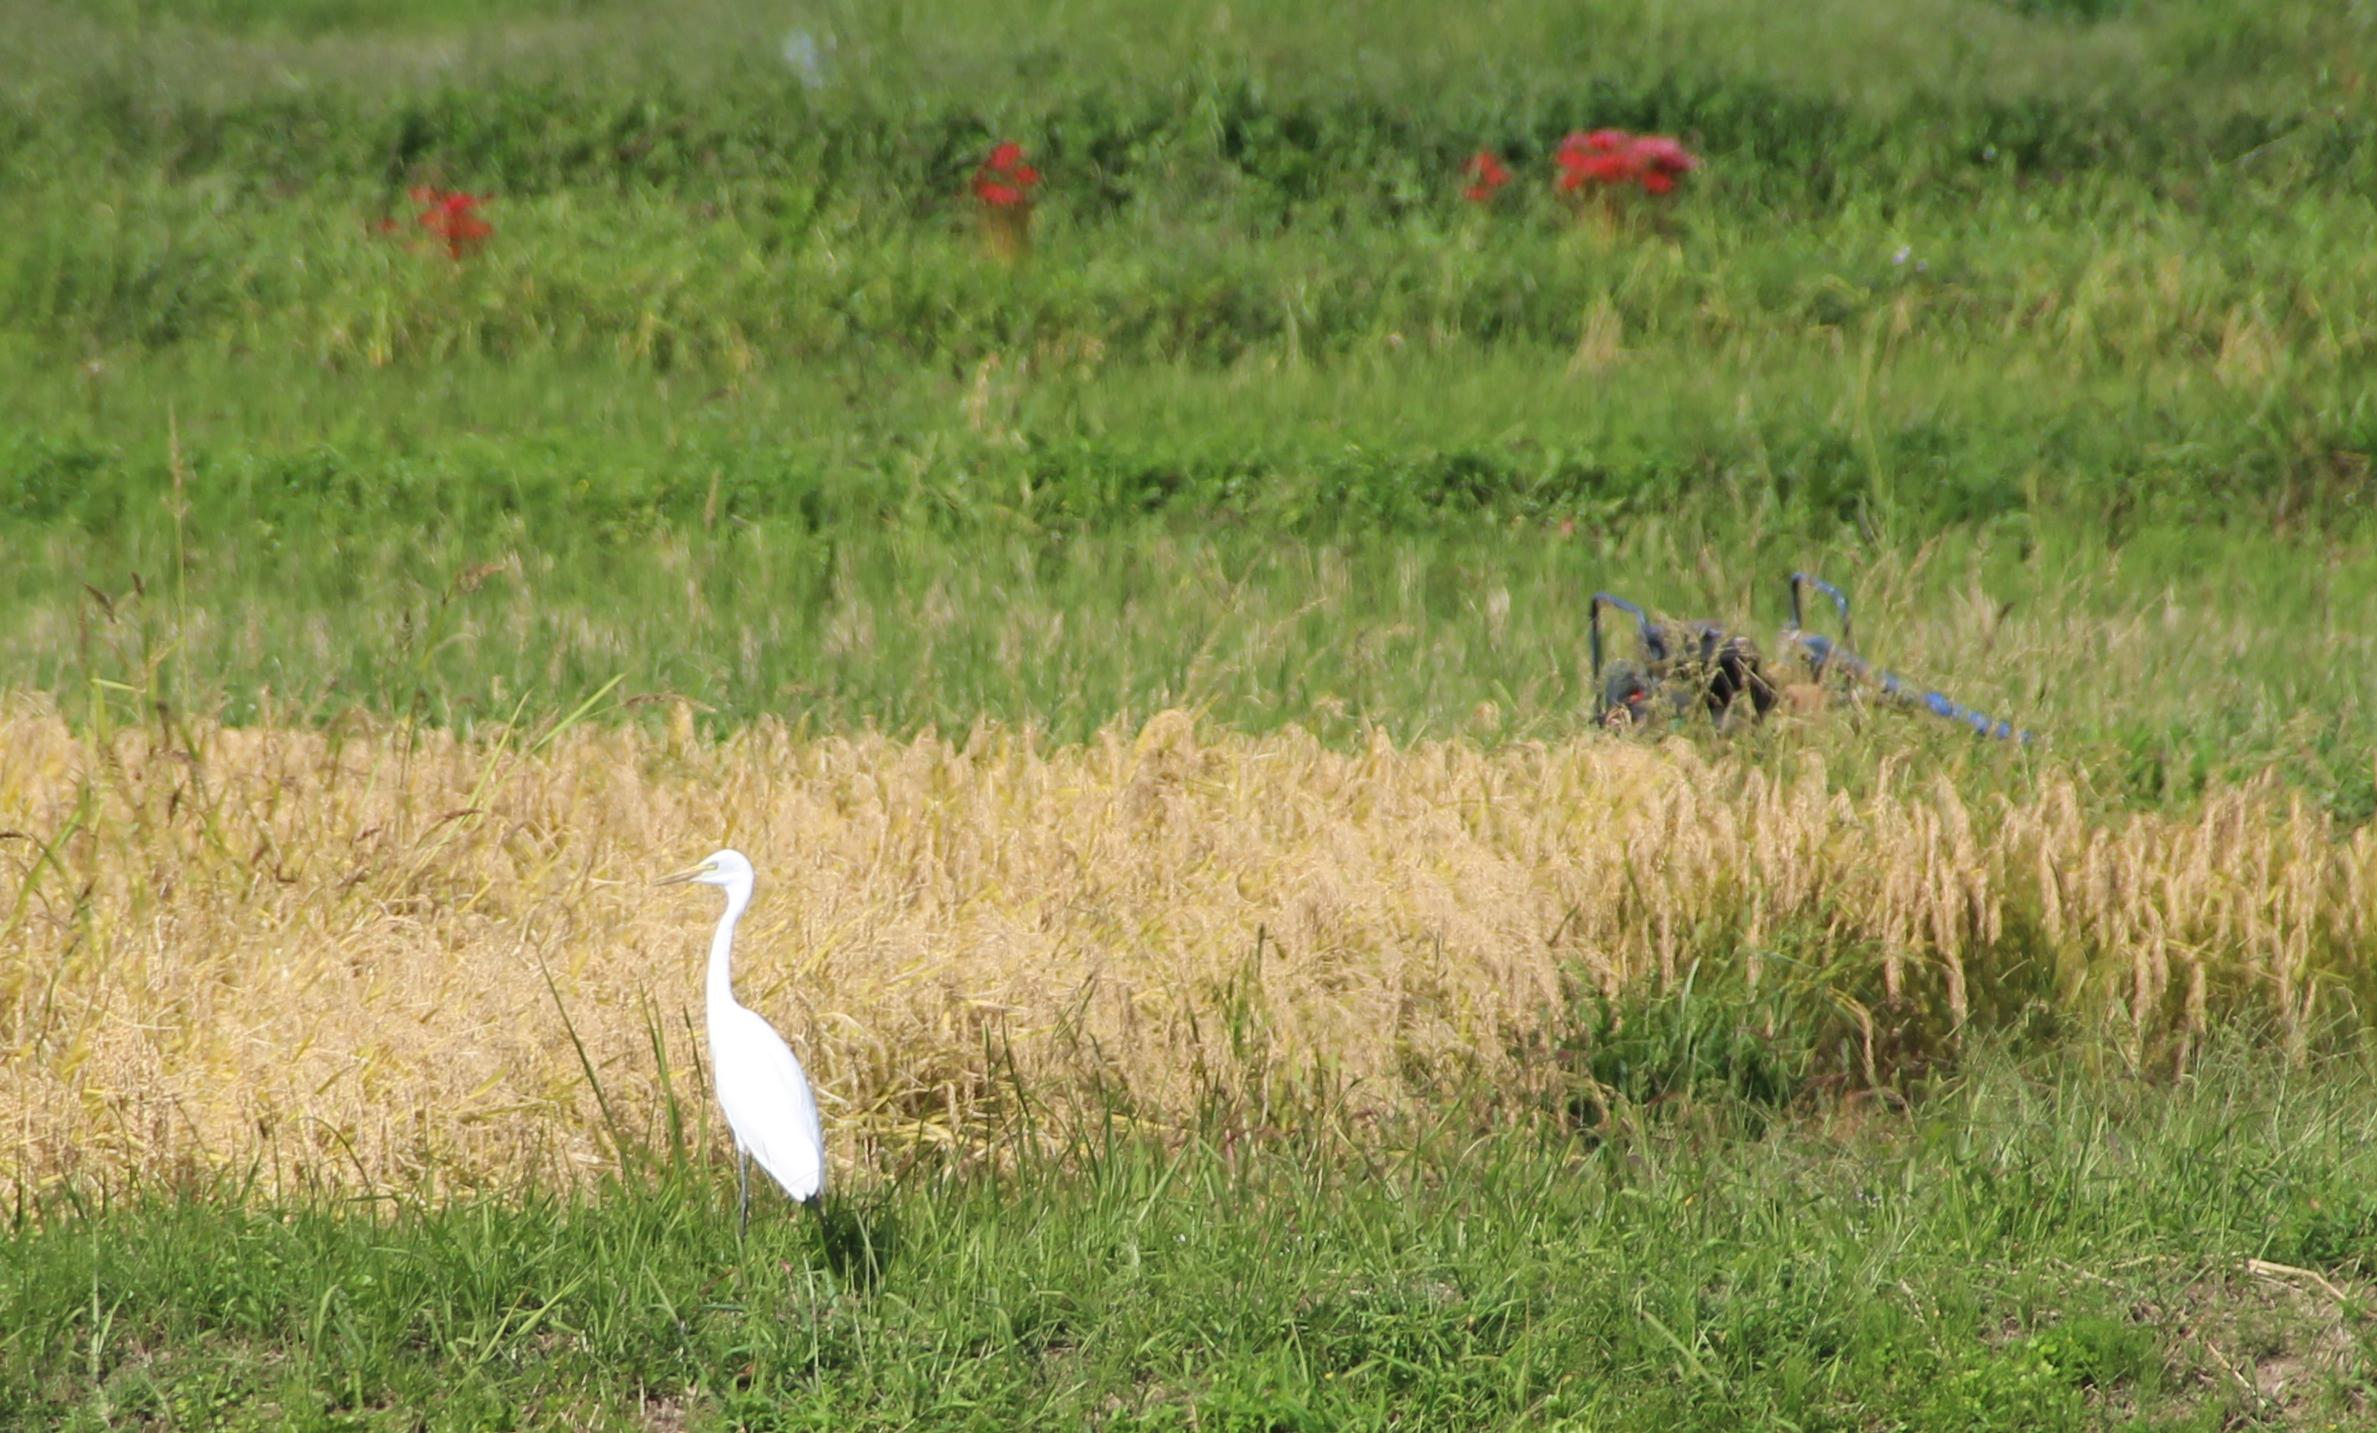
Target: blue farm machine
x=1689 y=668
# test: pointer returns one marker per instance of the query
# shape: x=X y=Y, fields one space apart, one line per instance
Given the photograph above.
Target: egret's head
x=728 y=868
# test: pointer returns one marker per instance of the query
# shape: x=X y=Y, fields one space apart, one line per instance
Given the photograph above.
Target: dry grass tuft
x=325 y=956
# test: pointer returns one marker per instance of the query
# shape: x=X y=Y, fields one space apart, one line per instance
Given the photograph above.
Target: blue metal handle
x=1840 y=603
x=1650 y=639
x=1824 y=653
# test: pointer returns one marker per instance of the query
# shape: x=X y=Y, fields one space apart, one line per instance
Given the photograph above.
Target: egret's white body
x=759 y=1081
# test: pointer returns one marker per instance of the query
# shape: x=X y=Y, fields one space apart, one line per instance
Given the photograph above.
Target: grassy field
x=1245 y=988
x=2029 y=1248
x=2050 y=343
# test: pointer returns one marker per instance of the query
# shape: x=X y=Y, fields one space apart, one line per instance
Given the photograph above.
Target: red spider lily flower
x=1004 y=184
x=1580 y=145
x=1487 y=175
x=1599 y=157
x=1612 y=157
x=1581 y=166
x=1600 y=167
x=453 y=217
x=1004 y=181
x=1660 y=152
x=1659 y=161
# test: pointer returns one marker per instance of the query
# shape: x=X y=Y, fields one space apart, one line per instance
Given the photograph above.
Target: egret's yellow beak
x=688 y=874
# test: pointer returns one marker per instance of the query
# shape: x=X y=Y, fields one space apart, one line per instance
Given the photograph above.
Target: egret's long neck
x=722 y=945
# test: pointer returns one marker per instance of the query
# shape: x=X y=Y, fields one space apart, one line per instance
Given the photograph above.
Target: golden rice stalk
x=327 y=954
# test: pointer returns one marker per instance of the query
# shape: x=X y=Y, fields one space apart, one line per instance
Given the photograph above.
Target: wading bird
x=760 y=1085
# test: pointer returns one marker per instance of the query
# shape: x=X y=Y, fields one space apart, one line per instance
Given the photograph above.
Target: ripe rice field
x=459 y=462
x=397 y=960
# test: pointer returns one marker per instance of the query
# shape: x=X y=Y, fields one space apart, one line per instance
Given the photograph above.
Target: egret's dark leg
x=813 y=1210
x=743 y=1178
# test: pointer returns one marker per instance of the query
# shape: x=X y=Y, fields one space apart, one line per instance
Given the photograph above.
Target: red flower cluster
x=453 y=217
x=1004 y=181
x=1487 y=174
x=1612 y=157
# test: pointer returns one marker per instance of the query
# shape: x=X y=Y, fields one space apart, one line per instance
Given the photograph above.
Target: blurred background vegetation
x=2042 y=326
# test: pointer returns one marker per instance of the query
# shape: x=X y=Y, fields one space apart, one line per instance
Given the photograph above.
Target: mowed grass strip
x=2039 y=1245
x=385 y=957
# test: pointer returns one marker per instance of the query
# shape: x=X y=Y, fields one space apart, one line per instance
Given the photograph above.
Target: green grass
x=1390 y=546
x=2031 y=1246
x=733 y=407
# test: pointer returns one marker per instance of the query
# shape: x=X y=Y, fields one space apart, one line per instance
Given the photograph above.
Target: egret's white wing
x=767 y=1101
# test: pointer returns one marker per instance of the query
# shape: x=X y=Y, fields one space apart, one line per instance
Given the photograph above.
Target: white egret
x=759 y=1081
